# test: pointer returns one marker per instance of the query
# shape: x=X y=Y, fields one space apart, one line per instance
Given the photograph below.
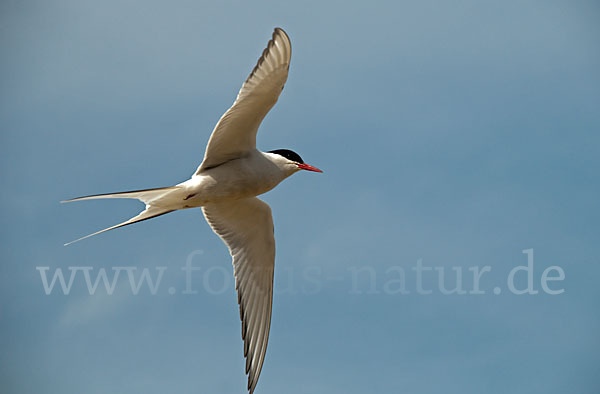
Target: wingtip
x=280 y=31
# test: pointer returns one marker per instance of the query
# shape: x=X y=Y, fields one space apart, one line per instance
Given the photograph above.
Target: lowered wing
x=246 y=227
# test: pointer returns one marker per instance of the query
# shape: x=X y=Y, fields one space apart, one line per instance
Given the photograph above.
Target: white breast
x=240 y=178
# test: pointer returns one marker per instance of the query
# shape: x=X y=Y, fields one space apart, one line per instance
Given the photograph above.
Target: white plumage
x=226 y=184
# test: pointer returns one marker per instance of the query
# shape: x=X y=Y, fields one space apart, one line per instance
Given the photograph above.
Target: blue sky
x=455 y=133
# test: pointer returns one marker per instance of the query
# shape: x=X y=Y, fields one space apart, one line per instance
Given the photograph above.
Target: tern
x=226 y=184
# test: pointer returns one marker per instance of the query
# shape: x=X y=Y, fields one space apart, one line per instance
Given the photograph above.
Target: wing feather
x=234 y=135
x=246 y=227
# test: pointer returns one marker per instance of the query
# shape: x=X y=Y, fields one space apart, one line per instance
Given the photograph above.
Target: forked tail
x=146 y=196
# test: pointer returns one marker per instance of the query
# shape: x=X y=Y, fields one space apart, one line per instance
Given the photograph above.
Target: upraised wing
x=235 y=134
x=246 y=227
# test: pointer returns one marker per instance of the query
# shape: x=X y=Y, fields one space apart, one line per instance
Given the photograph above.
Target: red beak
x=307 y=167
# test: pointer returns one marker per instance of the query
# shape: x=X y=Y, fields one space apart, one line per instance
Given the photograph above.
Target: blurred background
x=455 y=133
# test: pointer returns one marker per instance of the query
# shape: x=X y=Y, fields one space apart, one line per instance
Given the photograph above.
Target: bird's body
x=249 y=176
x=226 y=184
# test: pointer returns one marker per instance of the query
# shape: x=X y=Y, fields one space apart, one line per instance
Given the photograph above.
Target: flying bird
x=226 y=184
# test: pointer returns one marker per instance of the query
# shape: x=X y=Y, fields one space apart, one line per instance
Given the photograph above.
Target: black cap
x=288 y=154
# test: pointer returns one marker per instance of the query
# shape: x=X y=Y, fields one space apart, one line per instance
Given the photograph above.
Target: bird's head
x=290 y=161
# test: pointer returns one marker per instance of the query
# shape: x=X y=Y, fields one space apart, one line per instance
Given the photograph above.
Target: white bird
x=226 y=184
